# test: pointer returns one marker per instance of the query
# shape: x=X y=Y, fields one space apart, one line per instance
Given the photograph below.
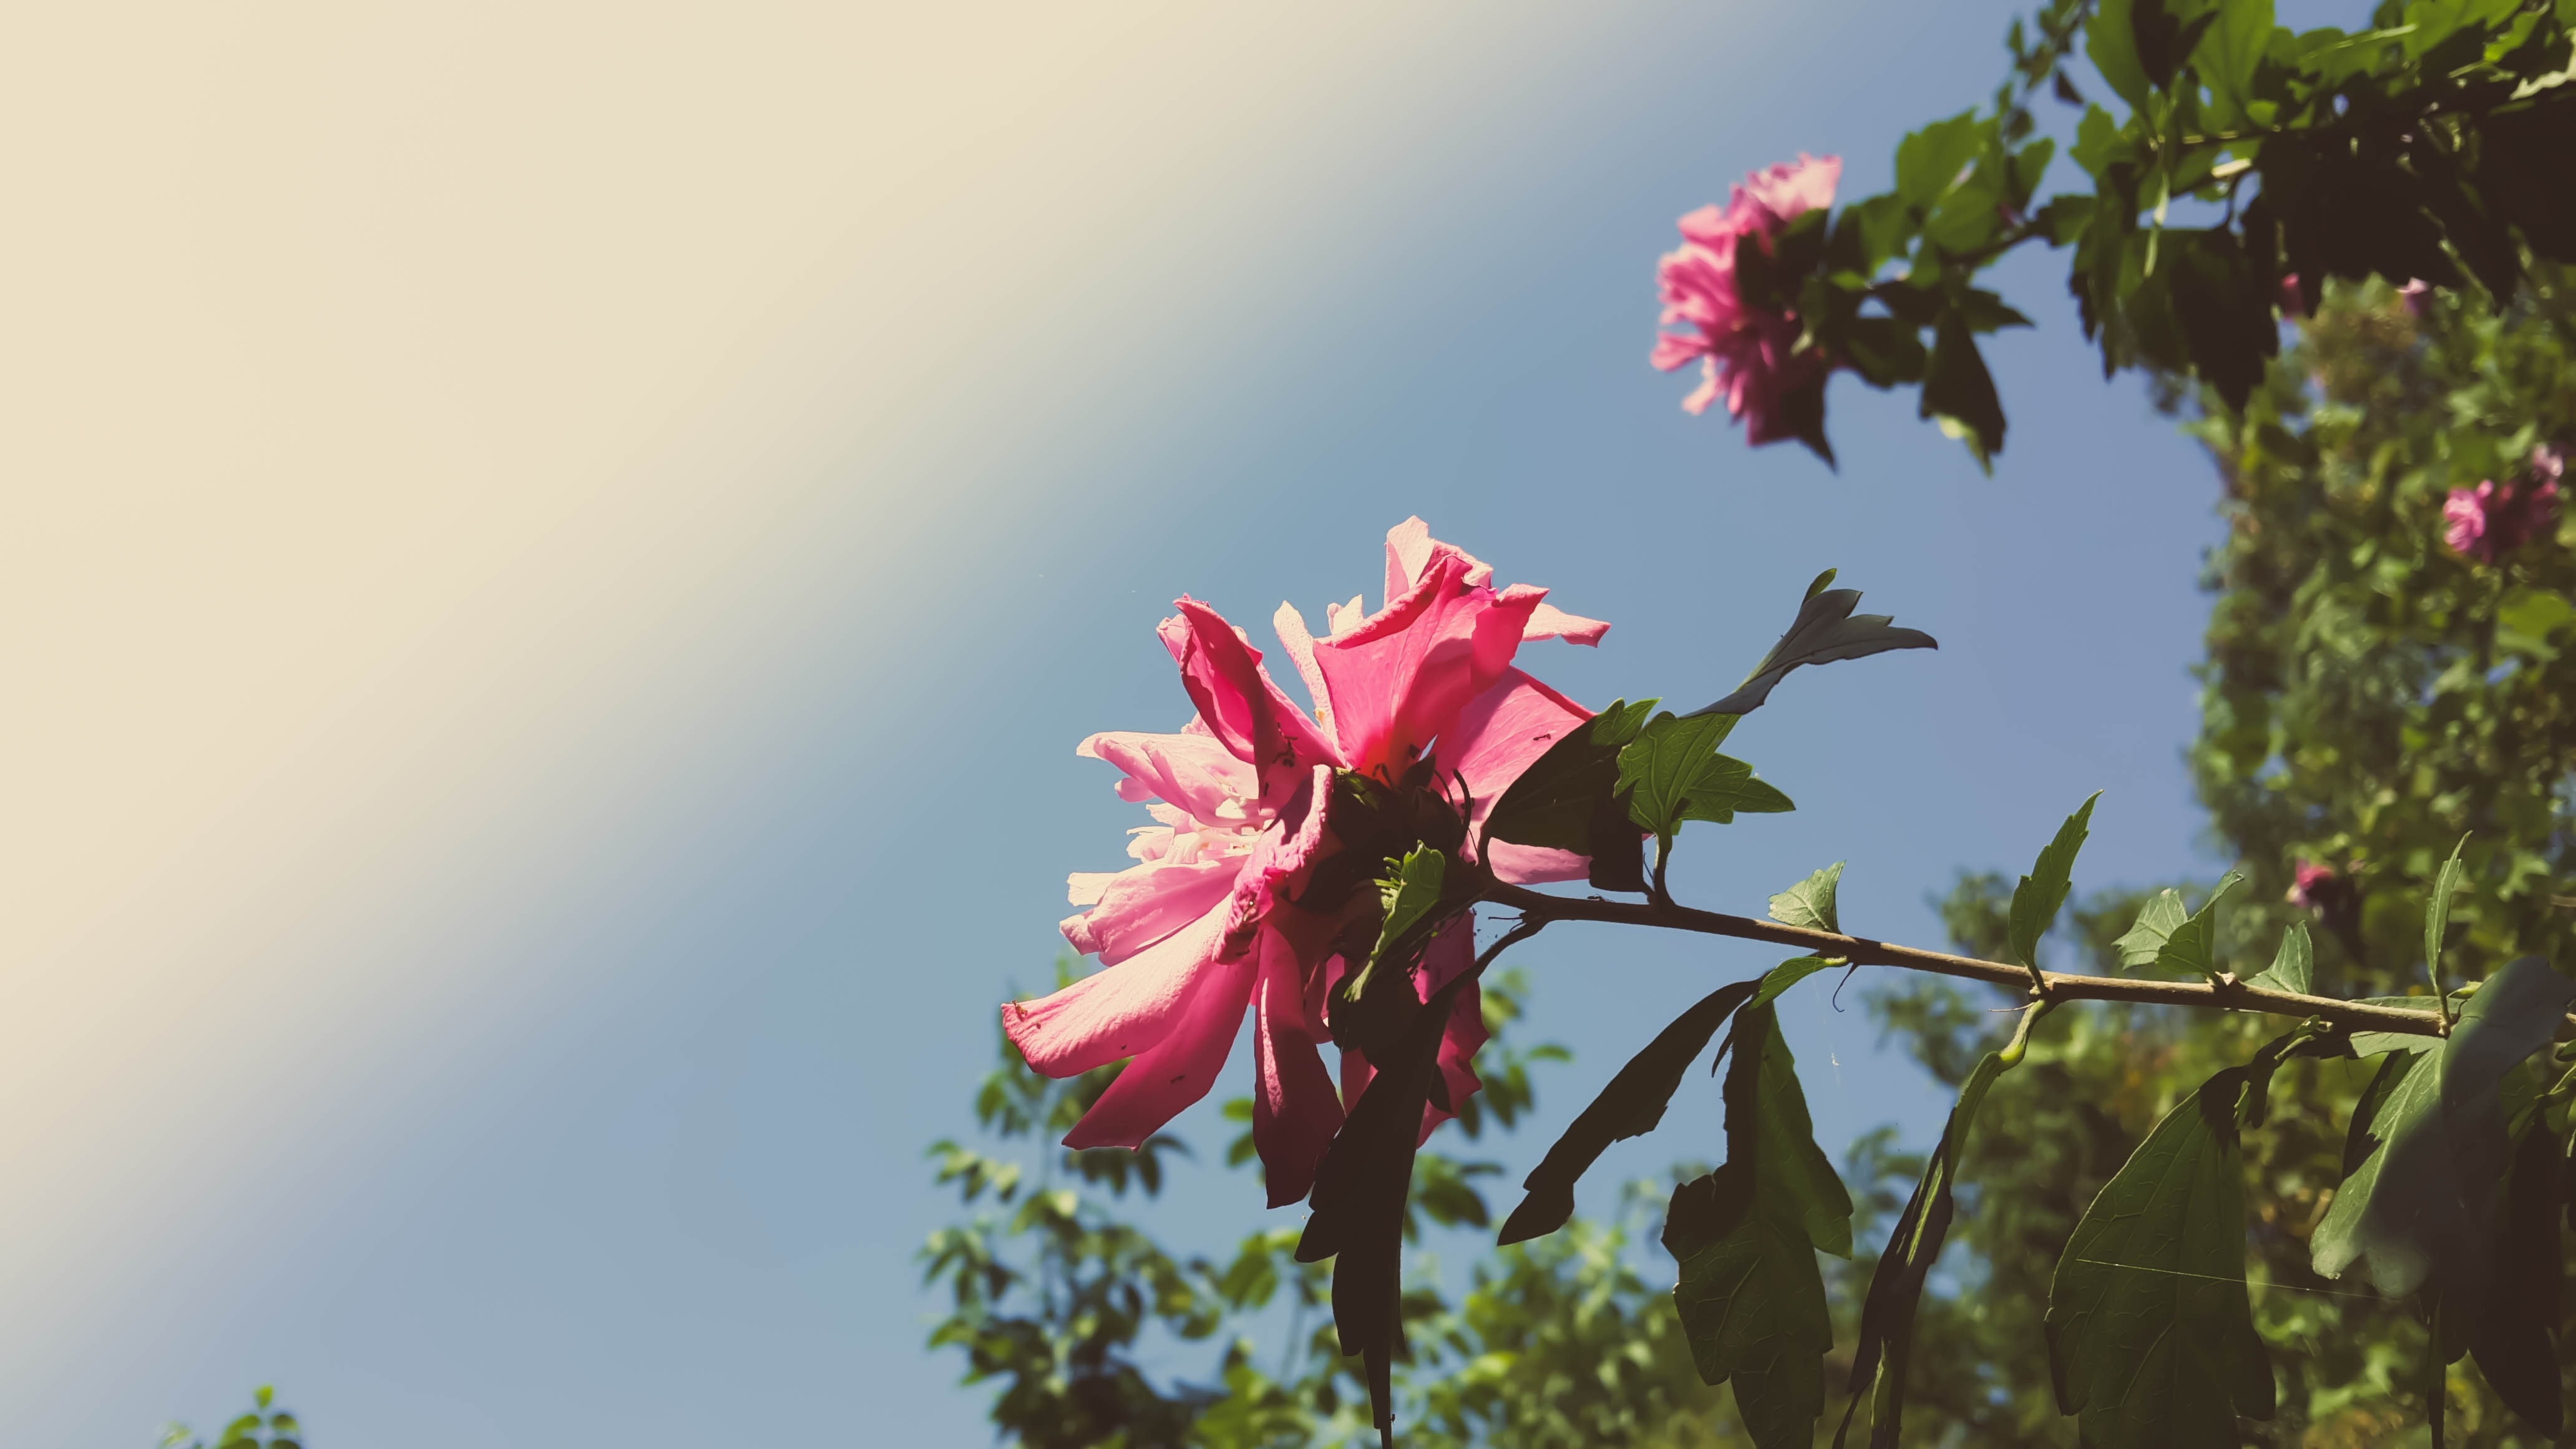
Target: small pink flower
x=2417 y=294
x=2292 y=305
x=1206 y=923
x=2487 y=522
x=2310 y=885
x=1746 y=354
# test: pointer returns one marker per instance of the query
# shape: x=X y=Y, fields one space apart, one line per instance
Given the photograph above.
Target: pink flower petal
x=1235 y=698
x=1547 y=621
x=1300 y=647
x=1119 y=1010
x=1497 y=736
x=1146 y=903
x=1175 y=1073
x=1294 y=1111
x=1192 y=771
x=1401 y=677
x=1282 y=851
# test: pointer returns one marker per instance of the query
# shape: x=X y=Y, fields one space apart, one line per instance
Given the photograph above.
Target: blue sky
x=657 y=1176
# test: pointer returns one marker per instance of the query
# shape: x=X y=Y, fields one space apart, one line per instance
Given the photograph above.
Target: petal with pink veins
x=1193 y=772
x=1401 y=677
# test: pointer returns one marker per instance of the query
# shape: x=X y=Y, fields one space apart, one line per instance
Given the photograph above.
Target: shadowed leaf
x=2042 y=893
x=1630 y=1106
x=1825 y=630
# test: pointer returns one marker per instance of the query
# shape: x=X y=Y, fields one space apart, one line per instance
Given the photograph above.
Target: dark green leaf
x=1556 y=800
x=2293 y=967
x=1825 y=630
x=2515 y=1340
x=1726 y=786
x=1886 y=1343
x=2042 y=893
x=2150 y=1336
x=1810 y=903
x=1959 y=391
x=1370 y=1006
x=1751 y=1299
x=1629 y=1106
x=2428 y=1147
x=1359 y=1200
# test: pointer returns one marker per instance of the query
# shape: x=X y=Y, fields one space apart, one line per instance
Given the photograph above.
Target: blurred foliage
x=265 y=1426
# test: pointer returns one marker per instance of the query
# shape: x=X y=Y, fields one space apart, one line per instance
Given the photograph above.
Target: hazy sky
x=552 y=559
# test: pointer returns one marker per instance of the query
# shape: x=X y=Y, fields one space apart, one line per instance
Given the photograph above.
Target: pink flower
x=2487 y=522
x=1745 y=353
x=2311 y=884
x=2292 y=304
x=2417 y=294
x=1214 y=916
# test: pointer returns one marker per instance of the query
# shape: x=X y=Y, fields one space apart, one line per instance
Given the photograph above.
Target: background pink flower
x=1745 y=354
x=2489 y=521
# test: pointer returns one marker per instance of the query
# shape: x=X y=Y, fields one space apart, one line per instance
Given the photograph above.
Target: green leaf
x=1960 y=392
x=2111 y=43
x=2428 y=1147
x=2193 y=946
x=1826 y=630
x=2293 y=967
x=1630 y=1106
x=2514 y=1341
x=2229 y=54
x=1886 y=1343
x=1658 y=768
x=1751 y=1300
x=1371 y=1005
x=2042 y=893
x=1929 y=161
x=1726 y=786
x=2437 y=912
x=1810 y=903
x=1359 y=1199
x=1789 y=973
x=1555 y=801
x=2156 y=921
x=2150 y=1337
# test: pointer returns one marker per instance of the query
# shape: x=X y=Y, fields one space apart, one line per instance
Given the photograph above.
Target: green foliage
x=264 y=1426
x=1810 y=903
x=2429 y=145
x=1824 y=631
x=2149 y=1330
x=1630 y=1106
x=1746 y=1235
x=2042 y=893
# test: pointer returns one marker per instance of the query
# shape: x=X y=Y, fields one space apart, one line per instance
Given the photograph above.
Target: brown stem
x=1541 y=907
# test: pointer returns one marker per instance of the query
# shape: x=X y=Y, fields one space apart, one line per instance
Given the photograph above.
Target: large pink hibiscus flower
x=1207 y=923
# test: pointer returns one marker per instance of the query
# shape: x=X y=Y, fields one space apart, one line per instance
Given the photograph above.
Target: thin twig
x=1540 y=906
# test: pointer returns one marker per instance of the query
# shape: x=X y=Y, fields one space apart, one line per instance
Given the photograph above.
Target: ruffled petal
x=1300 y=646
x=1276 y=858
x=1236 y=700
x=1294 y=1111
x=1192 y=771
x=1146 y=903
x=1547 y=621
x=1117 y=1011
x=1162 y=1082
x=1400 y=678
x=1497 y=736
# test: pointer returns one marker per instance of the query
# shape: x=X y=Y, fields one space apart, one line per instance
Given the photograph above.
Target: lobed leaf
x=1825 y=630
x=1751 y=1300
x=1630 y=1106
x=1810 y=903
